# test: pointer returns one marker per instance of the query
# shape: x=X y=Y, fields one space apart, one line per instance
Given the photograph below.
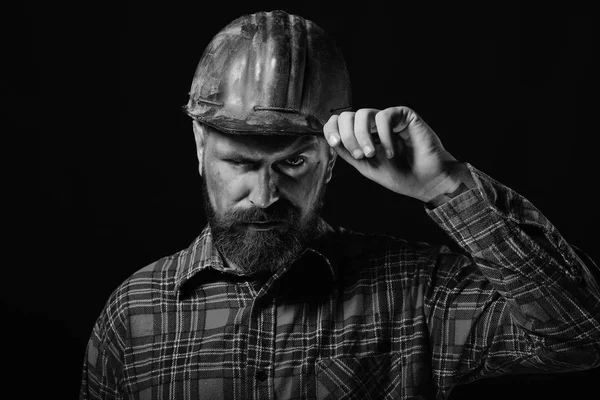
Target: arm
x=521 y=299
x=103 y=365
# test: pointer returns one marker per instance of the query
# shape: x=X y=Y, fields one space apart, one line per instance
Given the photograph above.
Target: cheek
x=224 y=189
x=304 y=191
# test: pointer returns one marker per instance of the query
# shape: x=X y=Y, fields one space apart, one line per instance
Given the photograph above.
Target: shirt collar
x=202 y=255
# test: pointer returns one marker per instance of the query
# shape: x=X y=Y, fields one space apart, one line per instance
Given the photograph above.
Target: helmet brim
x=262 y=122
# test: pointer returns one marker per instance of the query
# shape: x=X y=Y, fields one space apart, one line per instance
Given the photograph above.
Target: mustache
x=282 y=211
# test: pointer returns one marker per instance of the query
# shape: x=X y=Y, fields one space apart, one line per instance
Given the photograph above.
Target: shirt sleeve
x=103 y=363
x=519 y=299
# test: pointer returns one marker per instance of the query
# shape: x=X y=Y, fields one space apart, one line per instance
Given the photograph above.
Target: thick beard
x=263 y=251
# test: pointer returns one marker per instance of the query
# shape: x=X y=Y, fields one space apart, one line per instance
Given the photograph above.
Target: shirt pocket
x=368 y=377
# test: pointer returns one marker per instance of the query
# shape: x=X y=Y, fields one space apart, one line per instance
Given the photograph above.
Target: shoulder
x=154 y=282
x=158 y=275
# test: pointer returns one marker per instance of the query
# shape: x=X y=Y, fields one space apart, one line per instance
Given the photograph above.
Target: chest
x=227 y=342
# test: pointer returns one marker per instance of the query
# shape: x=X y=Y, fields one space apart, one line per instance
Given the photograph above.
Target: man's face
x=262 y=194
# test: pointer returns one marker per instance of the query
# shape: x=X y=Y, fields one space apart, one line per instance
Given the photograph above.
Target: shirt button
x=261 y=375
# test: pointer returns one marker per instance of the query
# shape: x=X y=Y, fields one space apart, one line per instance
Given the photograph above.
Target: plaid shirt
x=357 y=315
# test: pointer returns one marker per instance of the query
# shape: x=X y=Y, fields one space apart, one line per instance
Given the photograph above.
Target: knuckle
x=347 y=116
x=382 y=116
x=401 y=108
x=363 y=112
x=408 y=112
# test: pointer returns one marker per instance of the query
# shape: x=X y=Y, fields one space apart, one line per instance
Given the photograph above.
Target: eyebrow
x=246 y=159
x=303 y=148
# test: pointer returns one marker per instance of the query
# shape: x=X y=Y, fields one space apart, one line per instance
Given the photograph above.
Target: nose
x=264 y=191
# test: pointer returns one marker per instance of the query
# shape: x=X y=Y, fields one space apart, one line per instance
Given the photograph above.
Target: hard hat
x=270 y=73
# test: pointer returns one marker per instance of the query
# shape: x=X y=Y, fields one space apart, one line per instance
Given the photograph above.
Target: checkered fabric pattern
x=357 y=315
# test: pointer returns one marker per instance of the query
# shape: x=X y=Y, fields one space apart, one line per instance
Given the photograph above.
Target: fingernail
x=368 y=150
x=389 y=153
x=357 y=153
x=334 y=139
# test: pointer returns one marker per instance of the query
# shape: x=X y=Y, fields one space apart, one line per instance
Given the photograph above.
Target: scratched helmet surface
x=270 y=73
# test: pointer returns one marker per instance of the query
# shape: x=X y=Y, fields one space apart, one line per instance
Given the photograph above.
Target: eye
x=295 y=161
x=238 y=162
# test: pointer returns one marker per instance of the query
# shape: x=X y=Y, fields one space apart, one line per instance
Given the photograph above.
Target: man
x=270 y=301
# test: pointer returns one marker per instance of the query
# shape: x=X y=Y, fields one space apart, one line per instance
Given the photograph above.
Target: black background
x=103 y=177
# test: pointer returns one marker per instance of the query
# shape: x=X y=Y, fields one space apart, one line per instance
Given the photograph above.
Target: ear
x=330 y=163
x=200 y=134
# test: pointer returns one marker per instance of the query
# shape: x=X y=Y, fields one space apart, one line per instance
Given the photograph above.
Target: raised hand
x=397 y=149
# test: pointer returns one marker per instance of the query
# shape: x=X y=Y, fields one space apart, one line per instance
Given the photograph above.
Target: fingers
x=332 y=135
x=361 y=132
x=413 y=129
x=404 y=122
x=331 y=131
x=382 y=121
x=353 y=130
x=346 y=129
x=363 y=123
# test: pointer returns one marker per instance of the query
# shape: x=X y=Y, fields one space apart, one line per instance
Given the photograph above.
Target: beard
x=256 y=251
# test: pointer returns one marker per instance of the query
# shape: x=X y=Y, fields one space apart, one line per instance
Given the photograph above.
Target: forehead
x=259 y=144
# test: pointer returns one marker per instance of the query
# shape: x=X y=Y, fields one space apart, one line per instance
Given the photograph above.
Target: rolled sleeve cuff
x=470 y=218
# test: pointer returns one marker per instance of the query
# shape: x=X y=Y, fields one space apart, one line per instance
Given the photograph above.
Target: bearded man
x=270 y=301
